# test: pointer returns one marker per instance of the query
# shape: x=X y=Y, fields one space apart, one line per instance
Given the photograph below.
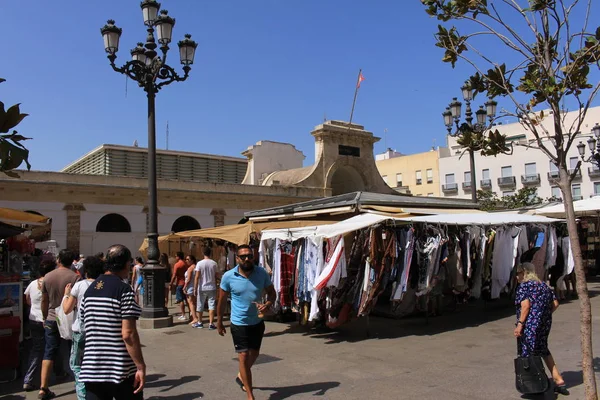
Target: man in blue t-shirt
x=246 y=284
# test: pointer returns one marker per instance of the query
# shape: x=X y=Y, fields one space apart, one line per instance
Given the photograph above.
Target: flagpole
x=355 y=94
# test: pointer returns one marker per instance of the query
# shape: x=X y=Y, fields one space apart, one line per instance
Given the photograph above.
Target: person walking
x=246 y=284
x=53 y=290
x=137 y=279
x=164 y=262
x=205 y=285
x=33 y=295
x=178 y=280
x=93 y=267
x=535 y=303
x=190 y=295
x=113 y=366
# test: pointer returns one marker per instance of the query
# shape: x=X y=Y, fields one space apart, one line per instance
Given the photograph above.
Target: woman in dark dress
x=535 y=303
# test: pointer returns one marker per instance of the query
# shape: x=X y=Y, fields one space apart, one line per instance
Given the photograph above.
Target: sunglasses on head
x=246 y=256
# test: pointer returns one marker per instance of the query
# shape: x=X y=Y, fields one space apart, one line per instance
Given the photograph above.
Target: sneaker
x=212 y=327
x=28 y=387
x=198 y=325
x=182 y=318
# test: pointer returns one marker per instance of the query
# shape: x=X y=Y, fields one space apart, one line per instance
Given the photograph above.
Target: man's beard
x=247 y=266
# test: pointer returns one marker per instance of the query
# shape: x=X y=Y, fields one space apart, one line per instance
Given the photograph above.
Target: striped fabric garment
x=106 y=303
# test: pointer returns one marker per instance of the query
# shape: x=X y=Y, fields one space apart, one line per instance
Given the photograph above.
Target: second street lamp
x=152 y=73
x=594 y=146
x=452 y=116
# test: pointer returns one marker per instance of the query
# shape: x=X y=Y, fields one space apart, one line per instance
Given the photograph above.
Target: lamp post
x=150 y=71
x=594 y=145
x=452 y=116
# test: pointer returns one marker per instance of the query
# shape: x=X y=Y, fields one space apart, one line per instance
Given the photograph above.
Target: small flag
x=360 y=79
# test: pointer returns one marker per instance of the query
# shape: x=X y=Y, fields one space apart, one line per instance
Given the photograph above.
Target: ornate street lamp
x=594 y=146
x=150 y=71
x=452 y=116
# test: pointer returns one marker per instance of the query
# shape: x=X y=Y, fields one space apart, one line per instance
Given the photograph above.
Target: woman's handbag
x=530 y=374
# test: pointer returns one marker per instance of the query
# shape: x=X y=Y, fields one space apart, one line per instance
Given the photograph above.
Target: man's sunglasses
x=246 y=256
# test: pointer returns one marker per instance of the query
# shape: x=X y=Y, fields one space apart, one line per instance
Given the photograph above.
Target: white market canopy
x=326 y=231
x=364 y=220
x=482 y=219
x=583 y=208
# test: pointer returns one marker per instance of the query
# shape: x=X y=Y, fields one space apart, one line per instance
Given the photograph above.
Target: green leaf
x=12 y=156
x=11 y=119
x=2 y=80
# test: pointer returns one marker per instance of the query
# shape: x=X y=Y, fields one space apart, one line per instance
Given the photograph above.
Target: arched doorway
x=185 y=223
x=346 y=180
x=113 y=223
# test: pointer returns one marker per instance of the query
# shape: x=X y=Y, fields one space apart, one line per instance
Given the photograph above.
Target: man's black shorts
x=247 y=337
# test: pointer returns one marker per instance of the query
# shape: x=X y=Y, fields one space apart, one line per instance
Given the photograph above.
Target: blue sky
x=264 y=70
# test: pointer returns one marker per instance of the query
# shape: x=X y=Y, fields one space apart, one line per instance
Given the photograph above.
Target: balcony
x=530 y=179
x=553 y=176
x=507 y=181
x=594 y=172
x=466 y=186
x=575 y=198
x=485 y=183
x=402 y=189
x=450 y=188
x=577 y=175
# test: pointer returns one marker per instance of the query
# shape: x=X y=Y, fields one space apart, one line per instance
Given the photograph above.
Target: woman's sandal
x=238 y=380
x=47 y=394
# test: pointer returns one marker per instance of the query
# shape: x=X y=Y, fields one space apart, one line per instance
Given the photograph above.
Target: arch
x=185 y=223
x=346 y=179
x=113 y=223
x=34 y=212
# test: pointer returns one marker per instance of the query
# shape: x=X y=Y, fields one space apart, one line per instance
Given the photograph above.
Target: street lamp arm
x=167 y=75
x=135 y=70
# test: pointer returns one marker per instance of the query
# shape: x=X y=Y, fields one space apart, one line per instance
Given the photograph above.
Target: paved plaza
x=464 y=355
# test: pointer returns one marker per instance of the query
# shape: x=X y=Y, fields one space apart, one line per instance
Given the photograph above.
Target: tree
x=525 y=197
x=550 y=60
x=12 y=152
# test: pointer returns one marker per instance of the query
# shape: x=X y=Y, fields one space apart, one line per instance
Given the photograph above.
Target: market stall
x=343 y=270
x=587 y=212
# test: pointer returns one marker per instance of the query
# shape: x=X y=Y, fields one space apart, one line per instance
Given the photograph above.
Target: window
x=185 y=223
x=507 y=172
x=468 y=176
x=398 y=180
x=429 y=194
x=553 y=167
x=485 y=174
x=573 y=162
x=576 y=191
x=556 y=192
x=384 y=178
x=596 y=188
x=418 y=195
x=530 y=169
x=419 y=178
x=429 y=176
x=113 y=223
x=449 y=178
x=508 y=193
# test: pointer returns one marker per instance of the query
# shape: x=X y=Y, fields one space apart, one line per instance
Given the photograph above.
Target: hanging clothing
x=286 y=275
x=539 y=258
x=314 y=266
x=551 y=247
x=335 y=269
x=503 y=260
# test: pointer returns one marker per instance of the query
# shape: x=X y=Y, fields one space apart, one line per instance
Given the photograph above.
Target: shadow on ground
x=186 y=396
x=575 y=378
x=284 y=392
x=467 y=315
x=169 y=384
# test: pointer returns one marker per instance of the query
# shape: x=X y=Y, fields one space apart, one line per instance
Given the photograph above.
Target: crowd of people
x=104 y=295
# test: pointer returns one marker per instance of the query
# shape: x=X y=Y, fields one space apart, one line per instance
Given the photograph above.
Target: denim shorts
x=211 y=295
x=179 y=293
x=52 y=337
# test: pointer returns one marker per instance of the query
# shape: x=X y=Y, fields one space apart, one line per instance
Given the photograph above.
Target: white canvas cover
x=583 y=208
x=481 y=219
x=326 y=231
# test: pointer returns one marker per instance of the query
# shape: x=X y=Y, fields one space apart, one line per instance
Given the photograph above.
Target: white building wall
x=454 y=164
x=265 y=157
